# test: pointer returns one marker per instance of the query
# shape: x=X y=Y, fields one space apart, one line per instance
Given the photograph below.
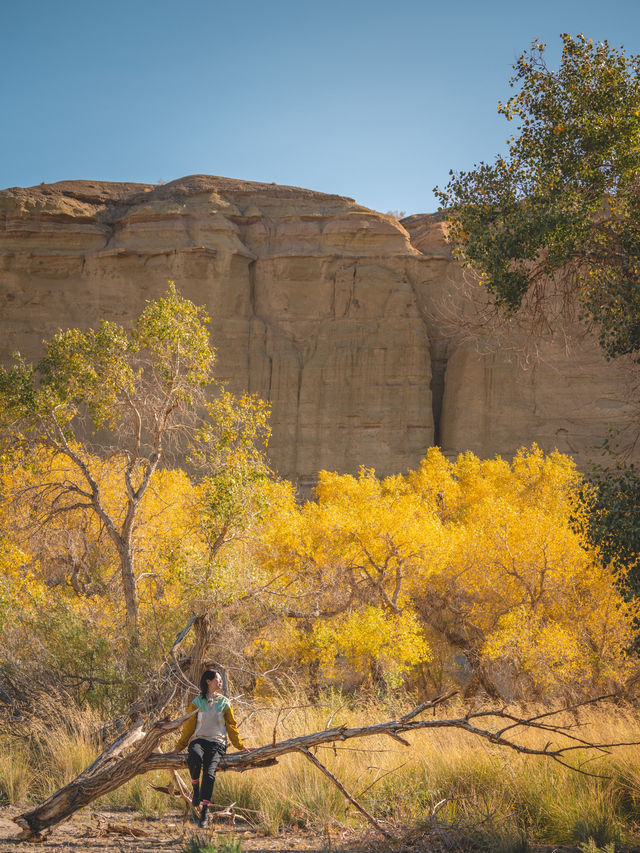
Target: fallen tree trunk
x=109 y=771
x=112 y=769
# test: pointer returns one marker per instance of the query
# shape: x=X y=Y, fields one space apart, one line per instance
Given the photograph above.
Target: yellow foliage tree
x=61 y=606
x=338 y=567
x=369 y=580
x=145 y=389
x=514 y=579
x=489 y=556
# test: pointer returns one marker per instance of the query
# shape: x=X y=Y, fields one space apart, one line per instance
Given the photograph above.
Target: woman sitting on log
x=206 y=733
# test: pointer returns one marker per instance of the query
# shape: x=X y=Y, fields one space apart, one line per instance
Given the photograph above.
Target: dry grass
x=448 y=786
x=450 y=782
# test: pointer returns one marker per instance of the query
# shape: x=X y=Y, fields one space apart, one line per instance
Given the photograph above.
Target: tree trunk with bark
x=437 y=612
x=179 y=674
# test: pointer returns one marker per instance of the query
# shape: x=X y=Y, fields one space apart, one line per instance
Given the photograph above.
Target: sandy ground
x=97 y=832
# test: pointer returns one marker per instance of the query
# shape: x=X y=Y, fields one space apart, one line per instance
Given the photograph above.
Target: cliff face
x=344 y=318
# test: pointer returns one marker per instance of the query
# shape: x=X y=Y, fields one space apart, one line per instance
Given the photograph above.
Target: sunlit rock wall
x=344 y=318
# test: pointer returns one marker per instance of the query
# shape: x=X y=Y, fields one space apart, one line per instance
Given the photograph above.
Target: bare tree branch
x=317 y=763
x=109 y=771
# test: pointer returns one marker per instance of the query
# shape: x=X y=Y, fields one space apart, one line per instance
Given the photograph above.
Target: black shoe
x=204 y=817
x=195 y=800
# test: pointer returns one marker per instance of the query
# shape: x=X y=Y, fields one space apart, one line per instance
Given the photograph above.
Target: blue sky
x=369 y=99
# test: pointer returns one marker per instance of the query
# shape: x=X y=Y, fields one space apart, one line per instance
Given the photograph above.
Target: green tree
x=564 y=202
x=613 y=523
x=138 y=395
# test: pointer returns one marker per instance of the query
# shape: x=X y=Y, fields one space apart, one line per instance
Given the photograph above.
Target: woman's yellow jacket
x=190 y=726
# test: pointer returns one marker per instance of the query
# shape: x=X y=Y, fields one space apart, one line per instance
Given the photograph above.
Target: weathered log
x=109 y=771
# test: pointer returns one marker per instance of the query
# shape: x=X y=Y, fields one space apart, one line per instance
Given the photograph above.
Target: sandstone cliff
x=342 y=317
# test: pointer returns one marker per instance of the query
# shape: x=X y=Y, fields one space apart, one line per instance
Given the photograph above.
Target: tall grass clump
x=220 y=845
x=47 y=751
x=53 y=749
x=16 y=772
x=458 y=784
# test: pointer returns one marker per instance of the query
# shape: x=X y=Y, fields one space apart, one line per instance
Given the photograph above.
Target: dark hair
x=208 y=674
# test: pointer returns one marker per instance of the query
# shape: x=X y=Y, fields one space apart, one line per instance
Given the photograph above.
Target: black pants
x=205 y=755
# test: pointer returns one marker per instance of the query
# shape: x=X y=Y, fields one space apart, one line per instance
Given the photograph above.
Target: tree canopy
x=91 y=423
x=564 y=201
x=376 y=583
x=481 y=558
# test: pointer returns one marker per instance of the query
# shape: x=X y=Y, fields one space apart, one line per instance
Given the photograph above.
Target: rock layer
x=339 y=315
